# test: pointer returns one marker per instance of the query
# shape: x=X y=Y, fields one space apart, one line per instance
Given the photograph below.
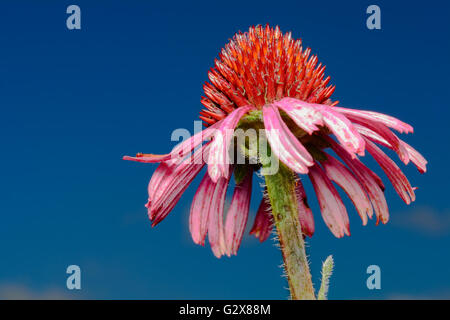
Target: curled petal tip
x=347 y=230
x=154 y=223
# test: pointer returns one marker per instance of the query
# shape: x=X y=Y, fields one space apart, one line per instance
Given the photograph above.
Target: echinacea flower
x=265 y=80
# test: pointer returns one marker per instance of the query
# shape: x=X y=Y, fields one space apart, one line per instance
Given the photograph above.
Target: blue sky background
x=74 y=102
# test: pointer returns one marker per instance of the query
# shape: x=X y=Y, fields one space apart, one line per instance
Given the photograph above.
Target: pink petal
x=304 y=212
x=161 y=172
x=169 y=182
x=237 y=215
x=216 y=234
x=366 y=132
x=338 y=173
x=419 y=161
x=333 y=210
x=367 y=178
x=166 y=177
x=218 y=161
x=389 y=121
x=303 y=114
x=386 y=134
x=148 y=158
x=208 y=202
x=198 y=218
x=393 y=172
x=343 y=129
x=180 y=151
x=283 y=143
x=186 y=147
x=262 y=227
x=416 y=158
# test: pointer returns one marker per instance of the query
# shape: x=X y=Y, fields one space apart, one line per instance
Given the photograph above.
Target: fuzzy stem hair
x=283 y=200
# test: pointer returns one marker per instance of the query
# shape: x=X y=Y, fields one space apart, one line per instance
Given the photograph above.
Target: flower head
x=265 y=80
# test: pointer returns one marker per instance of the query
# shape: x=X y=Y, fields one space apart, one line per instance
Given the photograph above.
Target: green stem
x=281 y=190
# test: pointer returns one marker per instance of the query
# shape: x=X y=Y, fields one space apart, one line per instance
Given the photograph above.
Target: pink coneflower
x=265 y=80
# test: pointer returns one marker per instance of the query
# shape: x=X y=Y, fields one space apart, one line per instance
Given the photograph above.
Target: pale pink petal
x=416 y=158
x=218 y=161
x=389 y=121
x=237 y=215
x=216 y=234
x=367 y=178
x=372 y=135
x=283 y=143
x=263 y=224
x=393 y=172
x=419 y=161
x=338 y=173
x=386 y=134
x=304 y=115
x=186 y=147
x=333 y=210
x=305 y=214
x=343 y=129
x=169 y=182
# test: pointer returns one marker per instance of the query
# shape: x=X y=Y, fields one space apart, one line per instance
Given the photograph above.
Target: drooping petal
x=367 y=178
x=305 y=214
x=167 y=176
x=161 y=172
x=343 y=129
x=169 y=182
x=200 y=210
x=372 y=135
x=180 y=151
x=384 y=132
x=216 y=234
x=333 y=210
x=419 y=161
x=416 y=158
x=304 y=115
x=283 y=143
x=263 y=224
x=237 y=214
x=393 y=172
x=338 y=173
x=389 y=121
x=148 y=158
x=186 y=147
x=218 y=161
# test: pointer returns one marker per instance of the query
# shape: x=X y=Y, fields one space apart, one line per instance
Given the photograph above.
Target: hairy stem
x=281 y=191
